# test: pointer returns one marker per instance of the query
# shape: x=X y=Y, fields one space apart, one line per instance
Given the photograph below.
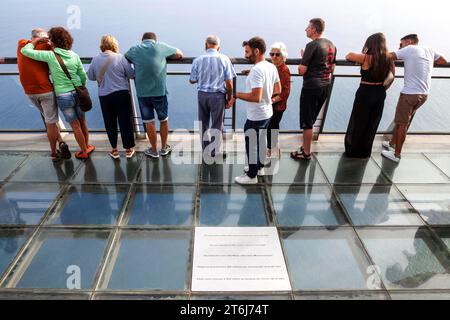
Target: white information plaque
x=238 y=259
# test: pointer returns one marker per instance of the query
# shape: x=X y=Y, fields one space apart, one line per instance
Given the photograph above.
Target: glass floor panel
x=440 y=160
x=10 y=243
x=223 y=172
x=413 y=168
x=444 y=235
x=9 y=162
x=40 y=168
x=168 y=170
x=123 y=229
x=343 y=296
x=232 y=206
x=162 y=206
x=151 y=260
x=325 y=260
x=289 y=171
x=342 y=170
x=14 y=295
x=101 y=168
x=239 y=296
x=63 y=259
x=432 y=202
x=135 y=296
x=420 y=296
x=377 y=205
x=80 y=206
x=26 y=204
x=306 y=206
x=409 y=258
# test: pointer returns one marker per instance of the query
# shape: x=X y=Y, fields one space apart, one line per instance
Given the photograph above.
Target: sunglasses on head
x=275 y=54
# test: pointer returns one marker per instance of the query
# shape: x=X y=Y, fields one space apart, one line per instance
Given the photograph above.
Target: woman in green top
x=66 y=96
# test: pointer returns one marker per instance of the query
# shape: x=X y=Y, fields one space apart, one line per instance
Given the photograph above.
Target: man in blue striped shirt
x=213 y=73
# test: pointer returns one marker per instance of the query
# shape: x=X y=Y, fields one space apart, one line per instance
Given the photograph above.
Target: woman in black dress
x=376 y=65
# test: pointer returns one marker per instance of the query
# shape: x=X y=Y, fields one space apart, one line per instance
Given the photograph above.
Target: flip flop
x=90 y=149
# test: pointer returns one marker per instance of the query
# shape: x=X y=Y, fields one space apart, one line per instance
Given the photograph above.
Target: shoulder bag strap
x=63 y=66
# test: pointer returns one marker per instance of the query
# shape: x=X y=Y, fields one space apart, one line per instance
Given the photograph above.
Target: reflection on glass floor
x=349 y=229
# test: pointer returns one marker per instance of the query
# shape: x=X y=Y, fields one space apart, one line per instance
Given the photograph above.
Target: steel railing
x=318 y=127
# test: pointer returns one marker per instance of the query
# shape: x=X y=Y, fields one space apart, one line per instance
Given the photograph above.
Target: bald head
x=39 y=33
x=212 y=42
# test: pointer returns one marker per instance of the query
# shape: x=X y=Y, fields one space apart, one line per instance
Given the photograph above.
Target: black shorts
x=311 y=102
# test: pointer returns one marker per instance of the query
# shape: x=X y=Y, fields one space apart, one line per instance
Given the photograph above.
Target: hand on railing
x=230 y=103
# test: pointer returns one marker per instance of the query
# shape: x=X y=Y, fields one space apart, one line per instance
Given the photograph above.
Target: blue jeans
x=149 y=105
x=68 y=104
x=255 y=145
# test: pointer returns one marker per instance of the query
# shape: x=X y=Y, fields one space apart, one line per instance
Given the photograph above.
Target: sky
x=185 y=24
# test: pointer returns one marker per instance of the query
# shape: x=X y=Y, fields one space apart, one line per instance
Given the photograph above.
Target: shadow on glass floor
x=340 y=169
x=306 y=206
x=232 y=206
x=161 y=206
x=413 y=168
x=90 y=205
x=39 y=167
x=101 y=168
x=408 y=258
x=167 y=170
x=288 y=171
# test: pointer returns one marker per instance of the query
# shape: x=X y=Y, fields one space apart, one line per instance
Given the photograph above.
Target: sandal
x=65 y=153
x=81 y=155
x=300 y=155
x=56 y=157
x=90 y=149
x=130 y=153
x=114 y=154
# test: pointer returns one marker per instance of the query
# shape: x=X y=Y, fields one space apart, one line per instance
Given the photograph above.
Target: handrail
x=235 y=61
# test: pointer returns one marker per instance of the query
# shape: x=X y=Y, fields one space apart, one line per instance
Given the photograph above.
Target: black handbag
x=84 y=99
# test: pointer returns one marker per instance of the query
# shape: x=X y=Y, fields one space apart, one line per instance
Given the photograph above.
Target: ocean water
x=185 y=24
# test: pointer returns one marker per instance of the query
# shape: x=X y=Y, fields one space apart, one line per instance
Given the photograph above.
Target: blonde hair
x=108 y=42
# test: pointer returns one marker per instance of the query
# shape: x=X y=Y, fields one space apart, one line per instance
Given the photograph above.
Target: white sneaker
x=261 y=171
x=388 y=154
x=387 y=145
x=246 y=180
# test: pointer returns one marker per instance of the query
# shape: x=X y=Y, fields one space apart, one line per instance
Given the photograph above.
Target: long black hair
x=376 y=47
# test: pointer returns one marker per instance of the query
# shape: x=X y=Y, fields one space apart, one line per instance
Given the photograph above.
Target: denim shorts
x=68 y=105
x=149 y=105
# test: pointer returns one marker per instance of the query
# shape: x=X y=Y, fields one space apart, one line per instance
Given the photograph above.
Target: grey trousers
x=211 y=108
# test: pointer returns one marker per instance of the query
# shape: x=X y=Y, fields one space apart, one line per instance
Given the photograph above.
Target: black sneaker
x=65 y=153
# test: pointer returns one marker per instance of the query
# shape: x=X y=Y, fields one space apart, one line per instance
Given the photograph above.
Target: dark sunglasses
x=273 y=54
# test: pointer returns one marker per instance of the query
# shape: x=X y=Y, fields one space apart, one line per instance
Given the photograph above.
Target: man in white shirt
x=419 y=62
x=262 y=84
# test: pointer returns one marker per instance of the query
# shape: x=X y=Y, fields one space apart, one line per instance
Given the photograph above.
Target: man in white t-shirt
x=419 y=62
x=262 y=84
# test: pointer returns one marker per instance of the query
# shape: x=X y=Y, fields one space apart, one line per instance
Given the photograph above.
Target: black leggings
x=275 y=125
x=116 y=107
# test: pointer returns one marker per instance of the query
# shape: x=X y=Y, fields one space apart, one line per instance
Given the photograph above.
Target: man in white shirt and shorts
x=419 y=62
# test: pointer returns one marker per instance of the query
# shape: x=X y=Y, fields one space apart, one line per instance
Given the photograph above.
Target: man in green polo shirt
x=149 y=60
